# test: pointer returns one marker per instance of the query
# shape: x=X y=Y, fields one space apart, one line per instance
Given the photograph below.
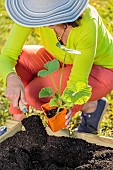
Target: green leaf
x=45 y=92
x=80 y=97
x=71 y=51
x=53 y=102
x=81 y=86
x=58 y=44
x=42 y=73
x=68 y=105
x=52 y=66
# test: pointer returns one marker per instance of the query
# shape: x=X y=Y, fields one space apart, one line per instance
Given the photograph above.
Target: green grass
x=105 y=9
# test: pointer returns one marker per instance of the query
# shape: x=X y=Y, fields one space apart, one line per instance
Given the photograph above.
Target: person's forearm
x=5 y=68
x=12 y=49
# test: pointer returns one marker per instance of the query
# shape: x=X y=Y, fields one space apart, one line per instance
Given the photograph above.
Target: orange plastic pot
x=57 y=122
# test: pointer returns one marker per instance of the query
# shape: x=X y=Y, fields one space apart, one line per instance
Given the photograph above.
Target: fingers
x=15 y=102
x=22 y=97
x=15 y=91
x=13 y=96
x=68 y=118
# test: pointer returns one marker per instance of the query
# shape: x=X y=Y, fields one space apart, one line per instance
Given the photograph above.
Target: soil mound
x=33 y=149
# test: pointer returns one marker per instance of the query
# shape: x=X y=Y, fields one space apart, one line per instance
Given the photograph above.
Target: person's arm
x=82 y=64
x=8 y=59
x=12 y=49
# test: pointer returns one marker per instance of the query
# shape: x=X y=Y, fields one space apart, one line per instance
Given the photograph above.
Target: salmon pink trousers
x=32 y=60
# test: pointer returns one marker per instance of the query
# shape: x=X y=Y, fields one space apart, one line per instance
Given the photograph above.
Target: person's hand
x=68 y=118
x=15 y=90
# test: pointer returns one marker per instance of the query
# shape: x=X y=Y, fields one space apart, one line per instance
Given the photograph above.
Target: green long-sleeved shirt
x=91 y=38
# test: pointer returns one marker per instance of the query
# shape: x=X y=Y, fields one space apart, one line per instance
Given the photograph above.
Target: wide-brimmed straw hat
x=35 y=13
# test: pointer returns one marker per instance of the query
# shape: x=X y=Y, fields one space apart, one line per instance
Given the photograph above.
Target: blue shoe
x=91 y=121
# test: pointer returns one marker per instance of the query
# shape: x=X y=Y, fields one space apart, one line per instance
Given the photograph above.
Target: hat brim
x=33 y=16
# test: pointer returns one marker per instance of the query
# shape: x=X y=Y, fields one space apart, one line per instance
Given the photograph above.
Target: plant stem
x=58 y=109
x=60 y=87
x=53 y=83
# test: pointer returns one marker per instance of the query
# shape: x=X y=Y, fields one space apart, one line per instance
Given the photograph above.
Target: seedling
x=58 y=100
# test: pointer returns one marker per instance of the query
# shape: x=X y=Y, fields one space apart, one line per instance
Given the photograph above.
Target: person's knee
x=32 y=48
x=32 y=90
x=29 y=51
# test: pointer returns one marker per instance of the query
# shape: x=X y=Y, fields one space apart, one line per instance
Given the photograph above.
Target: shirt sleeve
x=12 y=49
x=77 y=90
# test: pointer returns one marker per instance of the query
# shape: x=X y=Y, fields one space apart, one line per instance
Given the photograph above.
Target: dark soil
x=33 y=149
x=52 y=112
